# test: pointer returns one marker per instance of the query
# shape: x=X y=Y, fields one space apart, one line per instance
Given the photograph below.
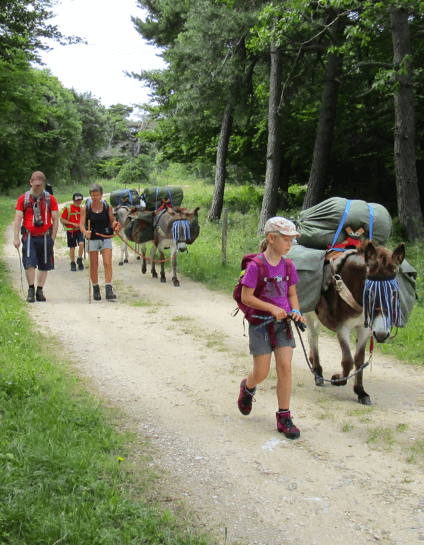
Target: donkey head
x=381 y=293
x=185 y=226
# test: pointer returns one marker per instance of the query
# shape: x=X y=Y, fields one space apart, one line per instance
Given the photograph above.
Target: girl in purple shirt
x=281 y=290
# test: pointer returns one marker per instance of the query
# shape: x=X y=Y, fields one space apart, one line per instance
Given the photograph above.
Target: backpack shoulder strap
x=263 y=271
x=27 y=200
x=47 y=197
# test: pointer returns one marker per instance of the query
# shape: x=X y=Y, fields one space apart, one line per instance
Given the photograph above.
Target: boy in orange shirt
x=70 y=219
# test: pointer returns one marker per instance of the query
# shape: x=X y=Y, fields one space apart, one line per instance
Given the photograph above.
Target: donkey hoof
x=176 y=283
x=125 y=260
x=120 y=263
x=163 y=279
x=319 y=381
x=338 y=380
x=365 y=399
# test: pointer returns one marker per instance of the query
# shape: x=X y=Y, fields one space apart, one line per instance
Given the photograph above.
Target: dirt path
x=173 y=358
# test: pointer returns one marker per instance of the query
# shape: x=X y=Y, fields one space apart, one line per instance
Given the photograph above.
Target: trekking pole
x=89 y=266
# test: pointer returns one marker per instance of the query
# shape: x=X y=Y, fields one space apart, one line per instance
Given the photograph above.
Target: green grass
x=67 y=472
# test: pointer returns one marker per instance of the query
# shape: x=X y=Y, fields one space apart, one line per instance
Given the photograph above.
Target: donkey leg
x=314 y=329
x=137 y=249
x=174 y=271
x=162 y=267
x=121 y=262
x=343 y=335
x=144 y=262
x=126 y=251
x=152 y=257
x=361 y=343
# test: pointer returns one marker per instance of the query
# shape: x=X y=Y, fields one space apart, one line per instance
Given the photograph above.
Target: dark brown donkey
x=367 y=277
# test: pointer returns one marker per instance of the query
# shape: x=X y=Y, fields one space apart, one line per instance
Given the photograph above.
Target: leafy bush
x=297 y=195
x=134 y=172
x=243 y=198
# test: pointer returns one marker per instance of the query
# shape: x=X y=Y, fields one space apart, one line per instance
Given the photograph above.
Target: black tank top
x=99 y=222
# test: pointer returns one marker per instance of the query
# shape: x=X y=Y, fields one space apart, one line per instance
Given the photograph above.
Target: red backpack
x=251 y=313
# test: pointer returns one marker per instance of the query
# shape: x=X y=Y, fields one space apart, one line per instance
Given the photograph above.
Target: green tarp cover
x=154 y=196
x=124 y=196
x=318 y=225
x=309 y=265
x=140 y=230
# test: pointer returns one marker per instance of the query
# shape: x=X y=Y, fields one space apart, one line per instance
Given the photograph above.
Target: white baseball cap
x=281 y=225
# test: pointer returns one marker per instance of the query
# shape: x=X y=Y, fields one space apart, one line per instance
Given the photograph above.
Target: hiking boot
x=96 y=293
x=31 y=295
x=73 y=266
x=285 y=425
x=39 y=295
x=245 y=399
x=80 y=264
x=109 y=292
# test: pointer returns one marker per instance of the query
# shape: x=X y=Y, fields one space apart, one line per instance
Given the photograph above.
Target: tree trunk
x=408 y=198
x=221 y=160
x=273 y=153
x=326 y=122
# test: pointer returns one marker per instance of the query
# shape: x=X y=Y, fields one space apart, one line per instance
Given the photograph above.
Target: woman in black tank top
x=102 y=225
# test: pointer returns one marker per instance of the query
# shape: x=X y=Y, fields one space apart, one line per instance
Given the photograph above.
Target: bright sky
x=113 y=46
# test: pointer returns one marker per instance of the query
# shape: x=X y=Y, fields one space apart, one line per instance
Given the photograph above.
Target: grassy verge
x=66 y=474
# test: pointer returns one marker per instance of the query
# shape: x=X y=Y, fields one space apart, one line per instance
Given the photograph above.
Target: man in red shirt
x=70 y=219
x=39 y=214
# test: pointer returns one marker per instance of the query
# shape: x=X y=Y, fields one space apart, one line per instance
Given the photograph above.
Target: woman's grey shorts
x=99 y=245
x=260 y=339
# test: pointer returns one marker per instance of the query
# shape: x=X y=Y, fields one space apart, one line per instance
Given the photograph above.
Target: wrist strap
x=297 y=311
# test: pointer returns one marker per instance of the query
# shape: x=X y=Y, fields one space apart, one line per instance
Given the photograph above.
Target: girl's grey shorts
x=99 y=245
x=260 y=340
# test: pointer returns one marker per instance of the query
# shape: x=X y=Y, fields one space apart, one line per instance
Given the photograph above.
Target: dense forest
x=323 y=96
x=319 y=93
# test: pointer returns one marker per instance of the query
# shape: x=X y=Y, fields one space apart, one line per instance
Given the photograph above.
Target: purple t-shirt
x=276 y=290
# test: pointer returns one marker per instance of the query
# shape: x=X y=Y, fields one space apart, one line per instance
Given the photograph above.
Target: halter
x=176 y=228
x=386 y=290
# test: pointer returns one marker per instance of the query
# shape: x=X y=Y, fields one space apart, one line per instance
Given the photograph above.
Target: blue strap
x=170 y=197
x=156 y=203
x=371 y=219
x=341 y=225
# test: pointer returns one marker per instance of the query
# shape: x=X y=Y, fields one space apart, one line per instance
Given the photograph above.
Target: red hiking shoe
x=245 y=399
x=285 y=425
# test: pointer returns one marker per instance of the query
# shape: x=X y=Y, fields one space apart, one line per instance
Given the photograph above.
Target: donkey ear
x=370 y=252
x=398 y=255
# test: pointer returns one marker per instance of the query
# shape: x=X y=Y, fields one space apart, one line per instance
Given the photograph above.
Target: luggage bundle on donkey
x=128 y=197
x=339 y=224
x=319 y=224
x=156 y=197
x=140 y=229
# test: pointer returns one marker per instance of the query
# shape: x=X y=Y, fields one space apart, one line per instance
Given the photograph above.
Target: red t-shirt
x=74 y=216
x=29 y=214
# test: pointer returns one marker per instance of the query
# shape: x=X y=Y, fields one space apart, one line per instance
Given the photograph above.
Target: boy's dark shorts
x=74 y=238
x=36 y=257
x=260 y=340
